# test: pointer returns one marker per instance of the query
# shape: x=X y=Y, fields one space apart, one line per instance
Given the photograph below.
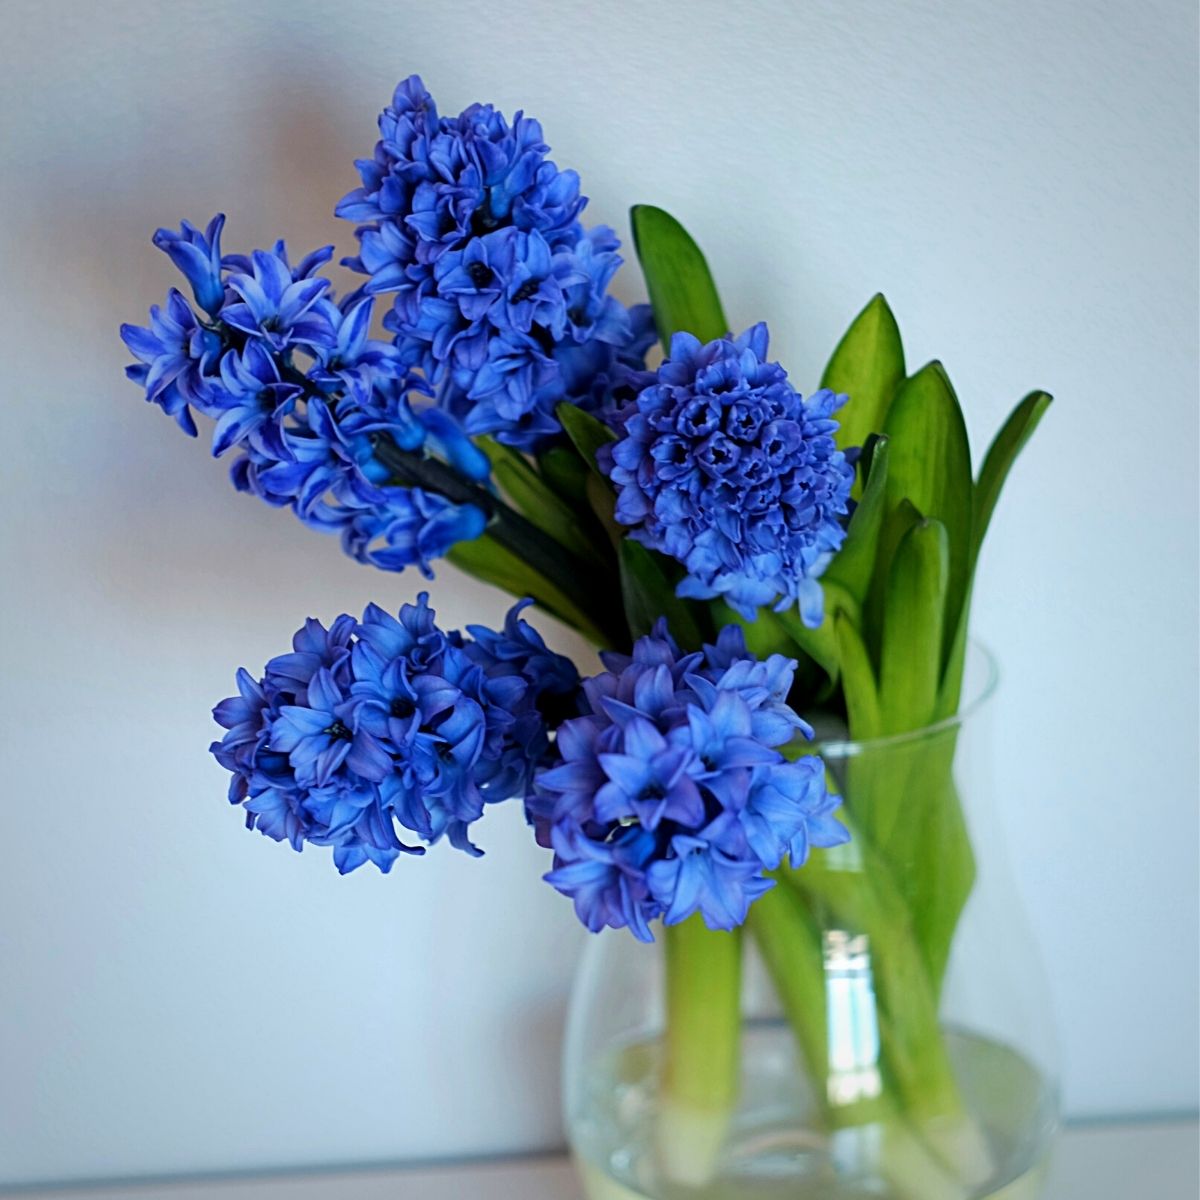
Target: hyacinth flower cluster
x=388 y=726
x=500 y=295
x=670 y=796
x=500 y=312
x=722 y=465
x=304 y=397
x=657 y=783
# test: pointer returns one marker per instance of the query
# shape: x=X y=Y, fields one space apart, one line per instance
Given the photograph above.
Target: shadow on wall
x=280 y=170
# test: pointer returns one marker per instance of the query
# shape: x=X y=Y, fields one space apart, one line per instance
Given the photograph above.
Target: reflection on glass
x=853 y=1028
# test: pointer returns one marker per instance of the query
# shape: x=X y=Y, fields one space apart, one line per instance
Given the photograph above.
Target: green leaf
x=682 y=292
x=852 y=565
x=858 y=679
x=950 y=692
x=648 y=594
x=914 y=610
x=904 y=791
x=540 y=503
x=868 y=366
x=908 y=806
x=486 y=559
x=929 y=464
x=586 y=433
x=600 y=499
x=899 y=517
x=938 y=844
x=565 y=472
x=998 y=461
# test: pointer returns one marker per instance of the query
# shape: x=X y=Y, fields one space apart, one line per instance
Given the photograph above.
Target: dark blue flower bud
x=724 y=466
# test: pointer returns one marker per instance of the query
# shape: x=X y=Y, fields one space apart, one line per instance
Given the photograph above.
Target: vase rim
x=979 y=689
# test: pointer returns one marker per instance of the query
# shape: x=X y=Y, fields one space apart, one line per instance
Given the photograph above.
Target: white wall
x=1019 y=178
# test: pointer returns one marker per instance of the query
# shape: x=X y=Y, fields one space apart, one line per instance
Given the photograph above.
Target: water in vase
x=774 y=1148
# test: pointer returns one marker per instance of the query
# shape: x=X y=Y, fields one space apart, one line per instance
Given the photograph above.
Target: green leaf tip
x=868 y=366
x=682 y=292
x=1002 y=453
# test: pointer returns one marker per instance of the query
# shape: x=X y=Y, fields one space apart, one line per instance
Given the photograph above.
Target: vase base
x=599 y=1186
x=772 y=1147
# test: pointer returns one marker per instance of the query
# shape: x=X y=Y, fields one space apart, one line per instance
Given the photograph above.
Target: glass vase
x=880 y=1027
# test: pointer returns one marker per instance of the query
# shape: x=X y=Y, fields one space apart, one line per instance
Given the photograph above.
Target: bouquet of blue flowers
x=744 y=557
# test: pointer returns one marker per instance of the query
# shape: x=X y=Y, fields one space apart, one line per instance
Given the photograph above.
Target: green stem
x=701 y=1049
x=790 y=944
x=704 y=970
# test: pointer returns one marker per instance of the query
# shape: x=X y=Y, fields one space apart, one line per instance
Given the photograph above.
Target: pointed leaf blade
x=586 y=433
x=854 y=562
x=929 y=464
x=898 y=519
x=998 y=461
x=682 y=292
x=868 y=366
x=535 y=498
x=858 y=679
x=914 y=612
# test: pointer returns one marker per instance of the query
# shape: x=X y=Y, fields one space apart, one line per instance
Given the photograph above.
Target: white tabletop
x=1152 y=1161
